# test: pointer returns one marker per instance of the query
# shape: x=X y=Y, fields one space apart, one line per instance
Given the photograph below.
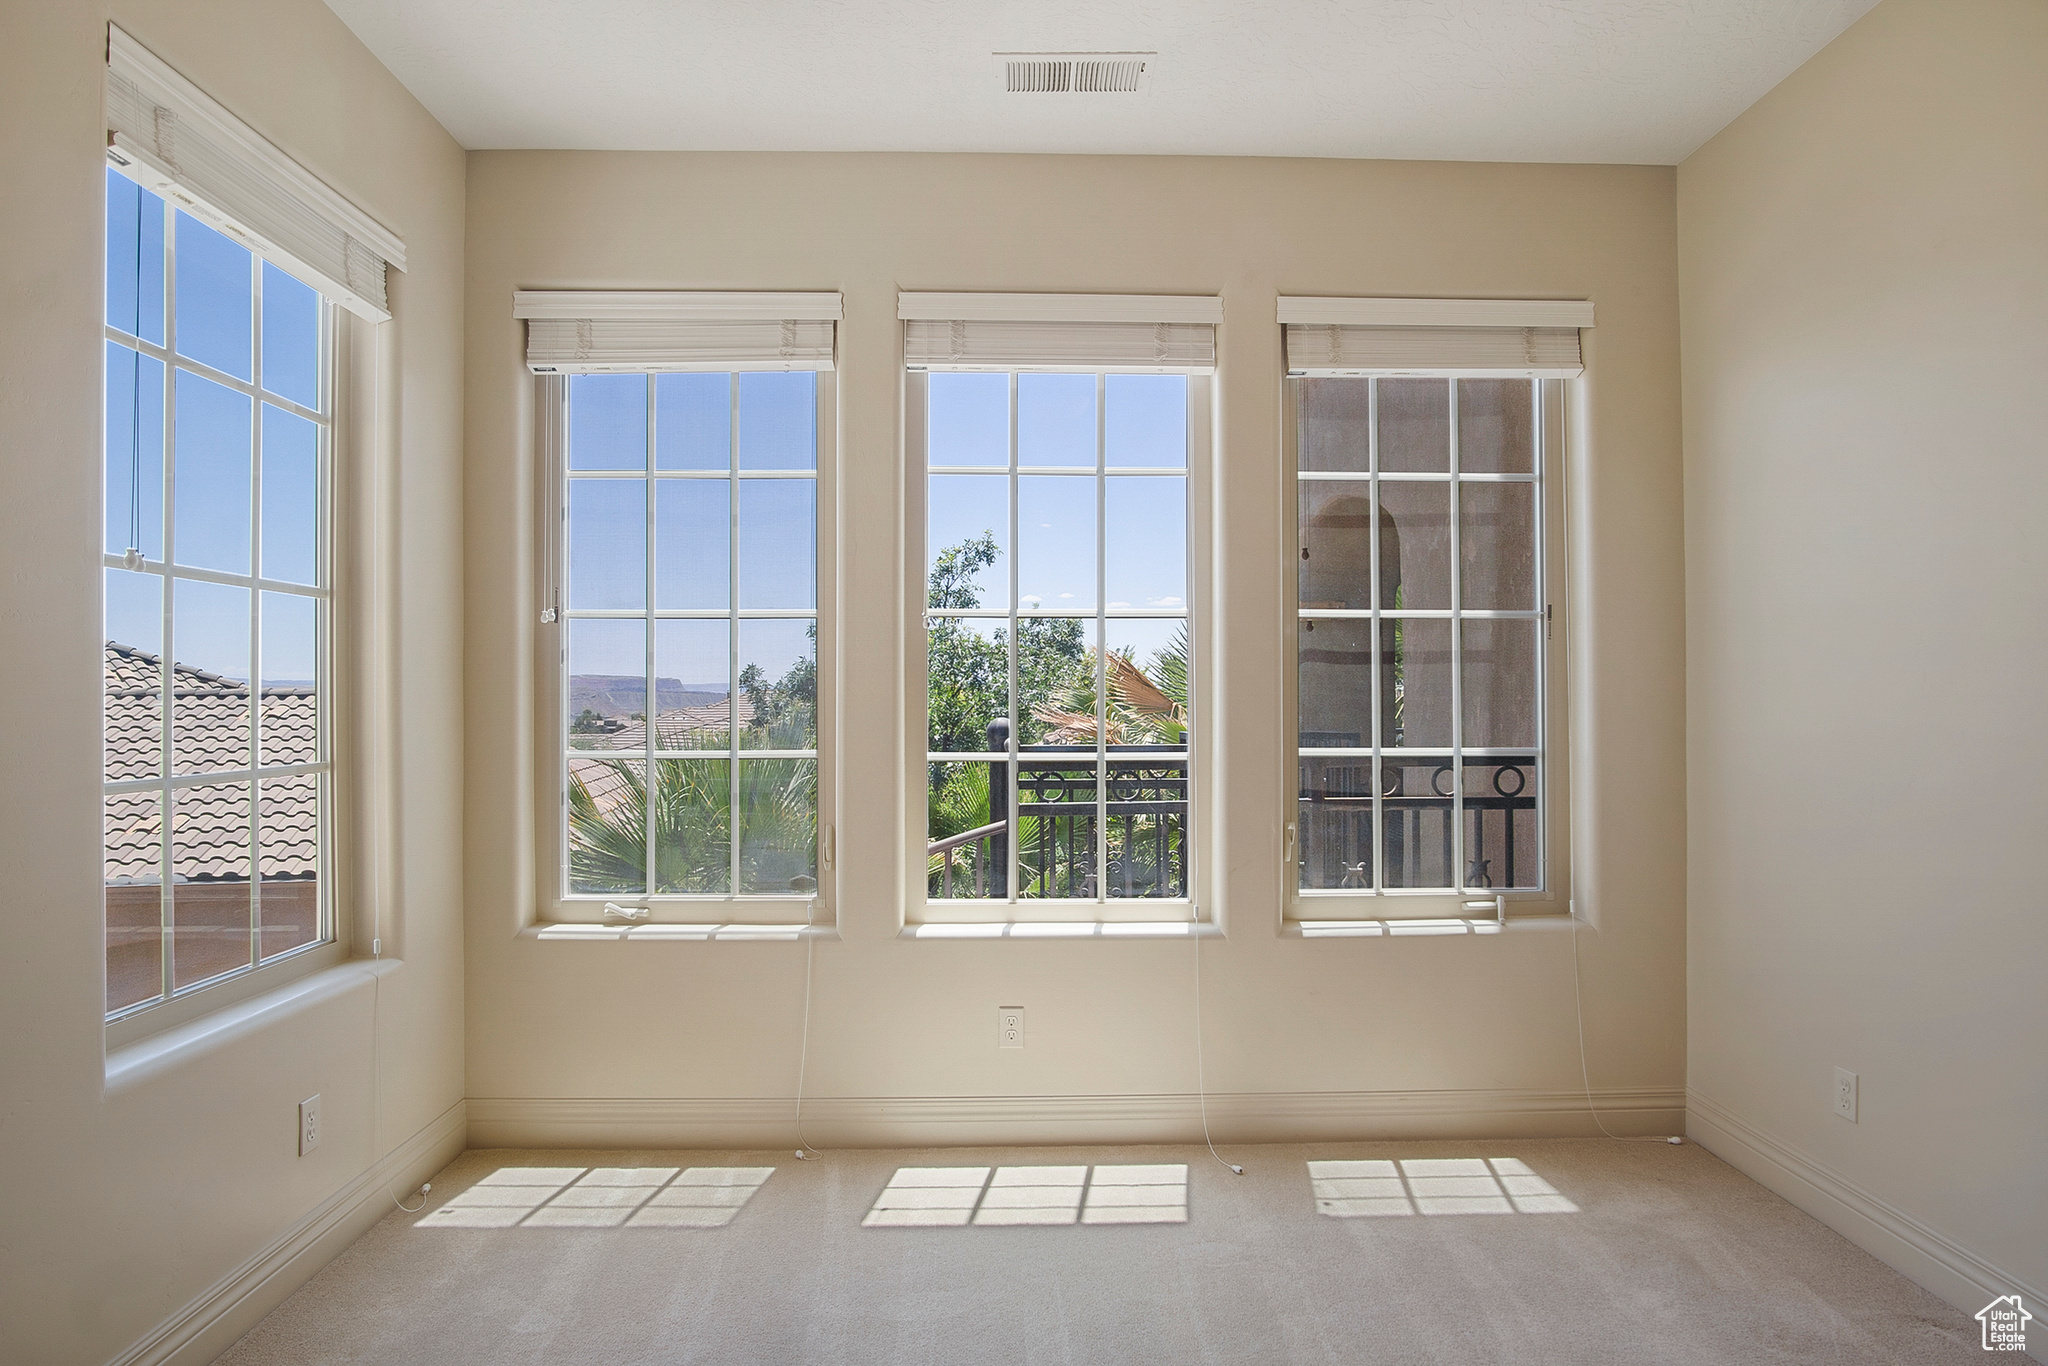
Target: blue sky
x=693 y=414
x=693 y=552
x=214 y=523
x=1145 y=420
x=1144 y=427
x=1145 y=517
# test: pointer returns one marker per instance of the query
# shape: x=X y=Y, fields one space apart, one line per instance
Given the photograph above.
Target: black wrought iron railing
x=1420 y=813
x=1143 y=816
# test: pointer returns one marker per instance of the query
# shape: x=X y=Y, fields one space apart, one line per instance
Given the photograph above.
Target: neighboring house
x=211 y=824
x=681 y=728
x=700 y=728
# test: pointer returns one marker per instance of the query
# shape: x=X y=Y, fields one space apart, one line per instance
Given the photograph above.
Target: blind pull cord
x=133 y=559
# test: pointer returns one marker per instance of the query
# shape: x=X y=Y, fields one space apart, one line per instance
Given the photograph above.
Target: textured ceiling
x=1468 y=80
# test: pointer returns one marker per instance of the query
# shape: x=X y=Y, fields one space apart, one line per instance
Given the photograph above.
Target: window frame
x=1335 y=907
x=173 y=1004
x=1202 y=730
x=554 y=904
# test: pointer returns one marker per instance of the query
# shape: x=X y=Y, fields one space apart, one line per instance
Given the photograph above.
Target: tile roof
x=605 y=780
x=134 y=724
x=683 y=728
x=210 y=824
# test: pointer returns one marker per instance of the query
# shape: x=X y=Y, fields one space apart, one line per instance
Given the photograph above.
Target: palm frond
x=692 y=825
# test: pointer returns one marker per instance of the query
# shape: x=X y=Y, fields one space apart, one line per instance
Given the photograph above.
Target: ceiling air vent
x=1075 y=73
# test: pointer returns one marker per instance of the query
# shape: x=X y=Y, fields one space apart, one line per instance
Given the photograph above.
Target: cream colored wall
x=615 y=1042
x=1864 y=281
x=124 y=1204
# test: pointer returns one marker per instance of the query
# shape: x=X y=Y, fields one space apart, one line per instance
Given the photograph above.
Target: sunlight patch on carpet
x=954 y=1197
x=1433 y=1185
x=600 y=1197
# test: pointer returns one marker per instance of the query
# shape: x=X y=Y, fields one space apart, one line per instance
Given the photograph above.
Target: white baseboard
x=1880 y=1228
x=948 y=1121
x=207 y=1325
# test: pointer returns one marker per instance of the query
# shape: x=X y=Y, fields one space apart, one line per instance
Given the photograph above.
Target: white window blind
x=588 y=332
x=173 y=139
x=1104 y=333
x=1503 y=338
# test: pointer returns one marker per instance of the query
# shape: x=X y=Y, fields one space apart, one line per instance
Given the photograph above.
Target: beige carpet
x=1564 y=1250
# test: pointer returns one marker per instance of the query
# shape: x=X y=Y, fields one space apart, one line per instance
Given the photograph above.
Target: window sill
x=158 y=1053
x=559 y=932
x=1052 y=910
x=223 y=993
x=1063 y=929
x=1416 y=928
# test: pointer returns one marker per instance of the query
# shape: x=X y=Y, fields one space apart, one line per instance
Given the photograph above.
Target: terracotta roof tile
x=605 y=779
x=210 y=823
x=134 y=724
x=680 y=728
x=134 y=829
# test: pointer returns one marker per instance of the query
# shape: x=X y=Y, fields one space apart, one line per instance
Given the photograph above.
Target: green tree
x=784 y=712
x=953 y=571
x=968 y=673
x=1052 y=659
x=968 y=677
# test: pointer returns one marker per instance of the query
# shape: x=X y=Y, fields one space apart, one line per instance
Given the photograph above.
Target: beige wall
x=1864 y=268
x=614 y=1042
x=124 y=1203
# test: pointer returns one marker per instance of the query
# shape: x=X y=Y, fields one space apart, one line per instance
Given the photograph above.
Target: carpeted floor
x=1574 y=1251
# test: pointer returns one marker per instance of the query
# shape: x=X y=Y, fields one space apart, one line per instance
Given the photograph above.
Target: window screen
x=1420 y=634
x=1058 y=627
x=218 y=447
x=689 y=592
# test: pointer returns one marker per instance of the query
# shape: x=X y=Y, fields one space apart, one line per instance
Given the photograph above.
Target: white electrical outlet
x=1009 y=1026
x=309 y=1124
x=1845 y=1094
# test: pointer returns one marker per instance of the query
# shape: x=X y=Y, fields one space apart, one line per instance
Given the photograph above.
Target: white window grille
x=1058 y=445
x=218 y=605
x=228 y=266
x=1424 y=434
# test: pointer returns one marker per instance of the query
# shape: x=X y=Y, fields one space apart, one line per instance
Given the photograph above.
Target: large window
x=1420 y=636
x=1058 y=666
x=689 y=721
x=218 y=430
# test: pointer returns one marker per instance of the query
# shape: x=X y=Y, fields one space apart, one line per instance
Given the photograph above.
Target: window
x=1060 y=636
x=1421 y=635
x=229 y=271
x=685 y=443
x=218 y=610
x=1424 y=701
x=689 y=646
x=1057 y=448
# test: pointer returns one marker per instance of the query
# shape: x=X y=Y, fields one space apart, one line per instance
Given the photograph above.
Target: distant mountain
x=620 y=695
